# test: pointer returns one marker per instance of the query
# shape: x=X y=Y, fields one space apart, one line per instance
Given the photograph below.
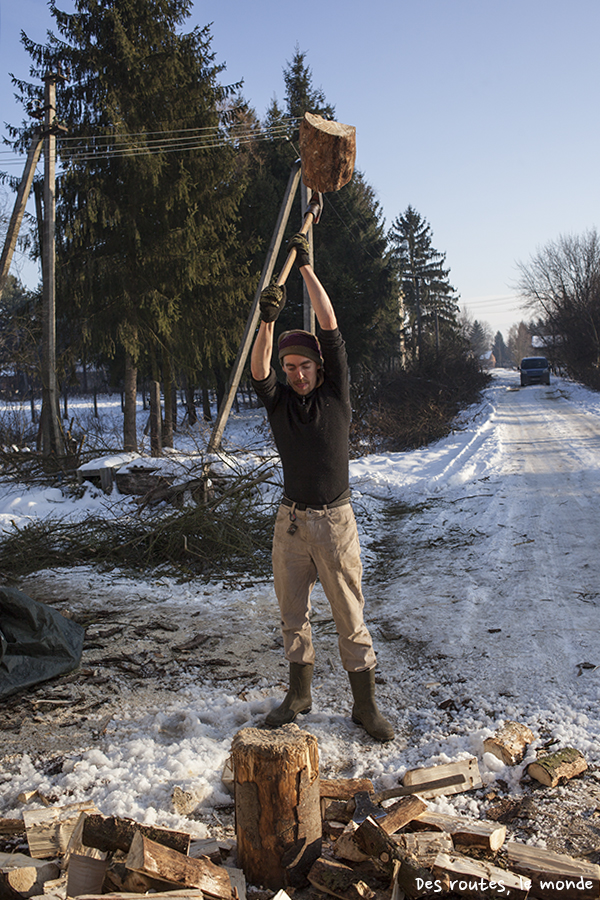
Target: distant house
x=487 y=360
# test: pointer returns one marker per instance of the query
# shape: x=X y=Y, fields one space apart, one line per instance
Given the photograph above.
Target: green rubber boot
x=364 y=711
x=297 y=700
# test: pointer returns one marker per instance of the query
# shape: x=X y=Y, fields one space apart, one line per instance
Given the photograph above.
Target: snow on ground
x=482 y=579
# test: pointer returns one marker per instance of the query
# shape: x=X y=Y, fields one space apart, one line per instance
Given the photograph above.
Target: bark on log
x=121 y=880
x=328 y=153
x=559 y=766
x=373 y=841
x=377 y=844
x=7 y=891
x=277 y=805
x=339 y=881
x=161 y=862
x=344 y=788
x=562 y=877
x=12 y=826
x=110 y=833
x=337 y=810
x=509 y=743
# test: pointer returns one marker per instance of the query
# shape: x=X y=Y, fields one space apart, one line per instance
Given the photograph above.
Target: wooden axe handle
x=311 y=215
x=405 y=790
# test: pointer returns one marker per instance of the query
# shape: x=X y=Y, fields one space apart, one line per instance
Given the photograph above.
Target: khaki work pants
x=324 y=544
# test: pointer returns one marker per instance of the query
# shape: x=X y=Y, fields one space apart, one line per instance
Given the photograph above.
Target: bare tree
x=519 y=342
x=561 y=286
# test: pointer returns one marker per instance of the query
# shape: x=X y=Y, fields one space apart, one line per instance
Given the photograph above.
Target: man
x=315 y=530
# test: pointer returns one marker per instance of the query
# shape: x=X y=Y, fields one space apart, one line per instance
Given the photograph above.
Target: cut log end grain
x=509 y=743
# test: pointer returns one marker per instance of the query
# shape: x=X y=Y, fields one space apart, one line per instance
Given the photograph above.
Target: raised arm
x=319 y=297
x=260 y=359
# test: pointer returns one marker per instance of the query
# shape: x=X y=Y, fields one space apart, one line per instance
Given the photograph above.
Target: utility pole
x=52 y=444
x=418 y=305
x=308 y=312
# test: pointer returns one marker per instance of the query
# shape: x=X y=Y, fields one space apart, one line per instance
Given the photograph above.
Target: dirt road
x=482 y=582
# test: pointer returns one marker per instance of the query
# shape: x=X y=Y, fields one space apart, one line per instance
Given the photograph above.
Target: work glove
x=272 y=301
x=300 y=242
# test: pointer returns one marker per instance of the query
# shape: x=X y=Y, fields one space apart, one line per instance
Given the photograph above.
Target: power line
x=96 y=147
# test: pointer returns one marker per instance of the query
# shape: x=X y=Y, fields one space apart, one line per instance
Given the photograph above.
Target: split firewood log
x=465 y=832
x=49 y=829
x=339 y=880
x=555 y=876
x=462 y=875
x=401 y=813
x=25 y=874
x=410 y=876
x=110 y=833
x=161 y=862
x=465 y=771
x=425 y=845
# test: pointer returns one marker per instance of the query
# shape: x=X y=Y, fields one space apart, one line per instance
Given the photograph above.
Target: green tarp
x=36 y=642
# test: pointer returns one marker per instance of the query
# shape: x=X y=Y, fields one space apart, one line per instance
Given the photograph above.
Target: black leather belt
x=302 y=506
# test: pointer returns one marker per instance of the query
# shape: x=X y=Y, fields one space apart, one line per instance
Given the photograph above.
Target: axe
x=366 y=802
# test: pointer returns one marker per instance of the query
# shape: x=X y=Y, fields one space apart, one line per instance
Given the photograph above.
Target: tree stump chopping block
x=277 y=805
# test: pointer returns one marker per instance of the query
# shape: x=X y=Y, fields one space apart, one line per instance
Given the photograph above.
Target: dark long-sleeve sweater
x=311 y=433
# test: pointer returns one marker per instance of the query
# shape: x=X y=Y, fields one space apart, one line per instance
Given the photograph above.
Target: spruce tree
x=479 y=339
x=146 y=204
x=351 y=249
x=500 y=351
x=430 y=301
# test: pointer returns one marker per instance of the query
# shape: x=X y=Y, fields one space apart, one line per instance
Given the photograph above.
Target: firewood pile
x=384 y=845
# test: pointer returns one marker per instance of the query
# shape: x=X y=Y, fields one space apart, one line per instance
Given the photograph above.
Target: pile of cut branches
x=227 y=535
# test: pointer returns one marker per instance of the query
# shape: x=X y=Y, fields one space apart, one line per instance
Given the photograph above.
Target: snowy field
x=482 y=584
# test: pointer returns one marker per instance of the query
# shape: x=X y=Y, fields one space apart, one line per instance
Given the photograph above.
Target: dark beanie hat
x=300 y=343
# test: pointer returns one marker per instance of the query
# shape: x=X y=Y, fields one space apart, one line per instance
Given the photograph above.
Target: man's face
x=301 y=373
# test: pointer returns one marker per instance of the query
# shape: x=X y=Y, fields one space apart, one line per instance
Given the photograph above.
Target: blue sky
x=482 y=114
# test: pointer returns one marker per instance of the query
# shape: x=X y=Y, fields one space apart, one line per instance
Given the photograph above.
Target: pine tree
x=430 y=301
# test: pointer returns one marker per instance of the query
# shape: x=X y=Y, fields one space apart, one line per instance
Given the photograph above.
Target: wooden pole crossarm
x=33 y=155
x=265 y=279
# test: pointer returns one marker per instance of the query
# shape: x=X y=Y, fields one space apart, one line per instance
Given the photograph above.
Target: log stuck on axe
x=327 y=154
